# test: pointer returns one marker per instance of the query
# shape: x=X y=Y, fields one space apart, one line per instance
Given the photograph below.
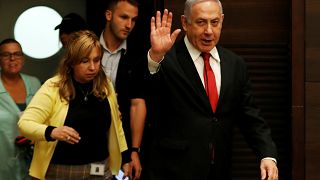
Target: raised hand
x=160 y=37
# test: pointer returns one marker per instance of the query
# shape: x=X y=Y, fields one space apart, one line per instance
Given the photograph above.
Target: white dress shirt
x=110 y=60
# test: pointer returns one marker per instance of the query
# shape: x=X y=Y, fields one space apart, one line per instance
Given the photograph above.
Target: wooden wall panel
x=269 y=70
x=313 y=60
x=298 y=88
x=313 y=129
x=312 y=40
x=253 y=21
x=259 y=31
x=312 y=103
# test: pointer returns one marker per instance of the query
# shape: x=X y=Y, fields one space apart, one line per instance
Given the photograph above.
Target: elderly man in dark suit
x=201 y=91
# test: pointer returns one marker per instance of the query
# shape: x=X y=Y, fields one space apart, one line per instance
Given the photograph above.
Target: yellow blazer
x=47 y=108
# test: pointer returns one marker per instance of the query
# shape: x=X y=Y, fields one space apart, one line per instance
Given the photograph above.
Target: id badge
x=97 y=169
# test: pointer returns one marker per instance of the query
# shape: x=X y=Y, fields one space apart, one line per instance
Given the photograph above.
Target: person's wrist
x=48 y=133
x=157 y=57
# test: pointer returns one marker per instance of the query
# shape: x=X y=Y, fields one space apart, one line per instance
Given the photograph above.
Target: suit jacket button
x=215 y=119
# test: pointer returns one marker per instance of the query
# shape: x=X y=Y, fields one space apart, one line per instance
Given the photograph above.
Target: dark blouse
x=91 y=118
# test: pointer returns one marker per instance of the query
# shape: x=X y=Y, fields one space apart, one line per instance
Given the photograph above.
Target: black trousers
x=212 y=172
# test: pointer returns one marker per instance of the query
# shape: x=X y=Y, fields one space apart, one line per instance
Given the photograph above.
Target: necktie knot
x=205 y=56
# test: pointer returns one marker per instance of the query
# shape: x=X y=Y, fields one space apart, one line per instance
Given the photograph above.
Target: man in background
x=124 y=68
x=70 y=23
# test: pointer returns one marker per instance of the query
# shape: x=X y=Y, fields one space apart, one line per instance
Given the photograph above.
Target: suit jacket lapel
x=189 y=69
x=225 y=80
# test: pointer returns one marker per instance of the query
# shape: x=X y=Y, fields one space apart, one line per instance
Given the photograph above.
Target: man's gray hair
x=189 y=3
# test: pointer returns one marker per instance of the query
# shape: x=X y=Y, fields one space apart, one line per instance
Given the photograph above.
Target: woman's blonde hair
x=79 y=46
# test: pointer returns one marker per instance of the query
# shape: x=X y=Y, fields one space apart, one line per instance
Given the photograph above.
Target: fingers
x=272 y=174
x=158 y=22
x=169 y=20
x=137 y=174
x=158 y=19
x=263 y=174
x=137 y=171
x=161 y=38
x=66 y=134
x=152 y=24
x=135 y=163
x=269 y=175
x=175 y=34
x=269 y=170
x=165 y=18
x=72 y=135
x=127 y=170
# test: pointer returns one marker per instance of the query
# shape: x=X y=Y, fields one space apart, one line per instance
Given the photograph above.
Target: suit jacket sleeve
x=254 y=128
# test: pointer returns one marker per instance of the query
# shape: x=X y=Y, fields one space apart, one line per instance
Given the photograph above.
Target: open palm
x=160 y=37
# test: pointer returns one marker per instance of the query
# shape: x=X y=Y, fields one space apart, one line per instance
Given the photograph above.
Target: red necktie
x=210 y=81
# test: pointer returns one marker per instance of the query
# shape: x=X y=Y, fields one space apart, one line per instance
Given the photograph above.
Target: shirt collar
x=123 y=45
x=2 y=89
x=195 y=53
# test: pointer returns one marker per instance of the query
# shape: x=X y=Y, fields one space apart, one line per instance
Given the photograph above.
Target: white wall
x=10 y=11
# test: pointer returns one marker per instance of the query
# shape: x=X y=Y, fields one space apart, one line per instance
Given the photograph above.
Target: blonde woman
x=74 y=118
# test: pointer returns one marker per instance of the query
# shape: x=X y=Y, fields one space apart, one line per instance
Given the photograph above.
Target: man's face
x=122 y=20
x=204 y=26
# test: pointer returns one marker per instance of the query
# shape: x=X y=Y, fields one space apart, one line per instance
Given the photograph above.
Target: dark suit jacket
x=184 y=126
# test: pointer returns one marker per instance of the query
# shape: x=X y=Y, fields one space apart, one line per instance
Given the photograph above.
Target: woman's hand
x=65 y=133
x=127 y=170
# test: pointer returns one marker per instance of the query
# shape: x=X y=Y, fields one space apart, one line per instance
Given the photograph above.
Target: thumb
x=175 y=34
